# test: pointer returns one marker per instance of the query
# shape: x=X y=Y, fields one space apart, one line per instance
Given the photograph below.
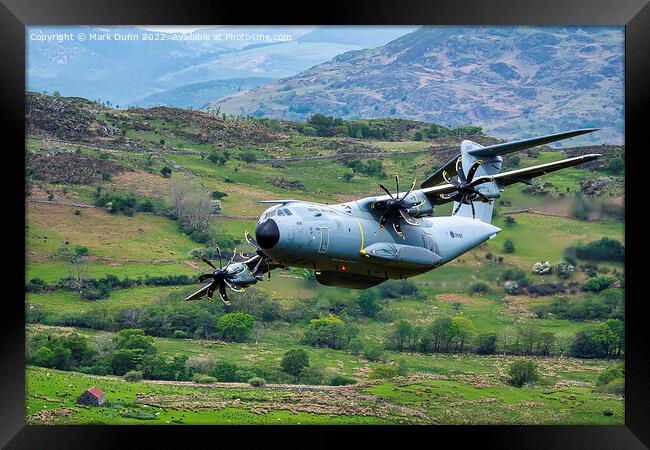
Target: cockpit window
x=281 y=212
x=288 y=212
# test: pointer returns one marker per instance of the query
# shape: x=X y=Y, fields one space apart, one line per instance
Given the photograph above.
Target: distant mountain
x=513 y=81
x=127 y=71
x=198 y=95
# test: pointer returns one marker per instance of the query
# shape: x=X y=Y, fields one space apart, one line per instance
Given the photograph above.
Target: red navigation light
x=344 y=267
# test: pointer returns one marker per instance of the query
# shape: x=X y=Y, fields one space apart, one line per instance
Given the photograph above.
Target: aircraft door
x=324 y=239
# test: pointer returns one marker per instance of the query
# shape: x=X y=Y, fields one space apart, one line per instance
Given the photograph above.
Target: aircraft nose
x=267 y=234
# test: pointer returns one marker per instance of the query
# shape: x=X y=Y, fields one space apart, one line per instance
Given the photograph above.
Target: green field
x=439 y=388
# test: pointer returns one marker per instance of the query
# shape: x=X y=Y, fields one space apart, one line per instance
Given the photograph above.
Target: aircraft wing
x=527 y=174
x=198 y=294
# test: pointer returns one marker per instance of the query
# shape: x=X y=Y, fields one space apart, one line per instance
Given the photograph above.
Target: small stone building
x=92 y=397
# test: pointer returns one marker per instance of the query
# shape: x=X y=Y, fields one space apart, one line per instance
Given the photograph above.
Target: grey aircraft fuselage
x=345 y=245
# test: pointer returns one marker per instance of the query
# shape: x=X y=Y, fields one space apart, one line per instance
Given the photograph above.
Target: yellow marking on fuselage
x=361 y=230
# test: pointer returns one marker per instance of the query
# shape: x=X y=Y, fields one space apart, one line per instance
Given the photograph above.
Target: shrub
x=509 y=220
x=373 y=351
x=523 y=372
x=563 y=269
x=402 y=367
x=294 y=361
x=257 y=382
x=511 y=287
x=383 y=371
x=355 y=347
x=201 y=378
x=508 y=246
x=199 y=364
x=312 y=375
x=598 y=283
x=166 y=172
x=610 y=374
x=604 y=249
x=133 y=375
x=616 y=386
x=541 y=268
x=341 y=380
x=479 y=288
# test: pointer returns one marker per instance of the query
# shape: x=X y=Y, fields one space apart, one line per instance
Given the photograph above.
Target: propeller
x=465 y=186
x=220 y=278
x=396 y=208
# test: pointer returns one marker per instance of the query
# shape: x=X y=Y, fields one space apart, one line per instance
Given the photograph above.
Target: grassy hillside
x=73 y=164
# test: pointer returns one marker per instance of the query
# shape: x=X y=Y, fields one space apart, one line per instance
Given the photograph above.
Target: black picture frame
x=15 y=15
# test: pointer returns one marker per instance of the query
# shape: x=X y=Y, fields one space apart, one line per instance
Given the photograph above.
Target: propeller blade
x=409 y=191
x=198 y=294
x=407 y=217
x=250 y=239
x=234 y=287
x=471 y=203
x=481 y=181
x=203 y=277
x=383 y=220
x=446 y=177
x=448 y=196
x=386 y=190
x=397 y=184
x=211 y=289
x=483 y=198
x=257 y=266
x=473 y=169
x=218 y=253
x=381 y=204
x=457 y=197
x=205 y=260
x=234 y=253
x=397 y=228
x=460 y=203
x=223 y=295
x=459 y=170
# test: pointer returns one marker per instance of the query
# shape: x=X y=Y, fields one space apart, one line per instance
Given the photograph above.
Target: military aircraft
x=362 y=243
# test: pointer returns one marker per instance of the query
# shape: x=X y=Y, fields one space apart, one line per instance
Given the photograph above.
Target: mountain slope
x=513 y=81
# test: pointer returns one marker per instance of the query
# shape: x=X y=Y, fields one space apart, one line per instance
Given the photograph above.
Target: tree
x=439 y=333
x=508 y=246
x=347 y=176
x=486 y=344
x=399 y=337
x=191 y=205
x=236 y=327
x=522 y=372
x=368 y=303
x=225 y=371
x=327 y=331
x=618 y=328
x=606 y=338
x=418 y=136
x=545 y=343
x=462 y=329
x=294 y=361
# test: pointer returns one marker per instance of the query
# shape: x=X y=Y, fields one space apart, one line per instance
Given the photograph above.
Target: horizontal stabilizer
x=509 y=147
x=500 y=149
x=515 y=176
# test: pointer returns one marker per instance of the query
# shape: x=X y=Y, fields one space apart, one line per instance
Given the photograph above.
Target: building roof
x=96 y=392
